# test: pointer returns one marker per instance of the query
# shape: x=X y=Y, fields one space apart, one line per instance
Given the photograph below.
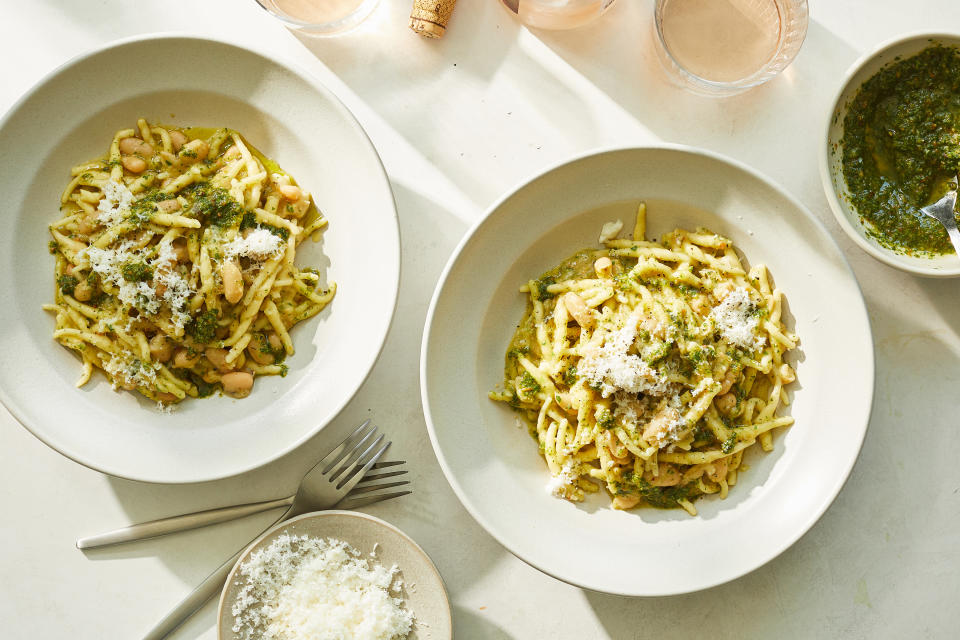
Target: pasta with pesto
x=175 y=270
x=649 y=368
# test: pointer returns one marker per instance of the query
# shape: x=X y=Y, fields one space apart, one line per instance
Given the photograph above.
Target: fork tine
x=370 y=477
x=354 y=454
x=361 y=462
x=353 y=503
x=391 y=463
x=336 y=455
x=361 y=490
x=351 y=480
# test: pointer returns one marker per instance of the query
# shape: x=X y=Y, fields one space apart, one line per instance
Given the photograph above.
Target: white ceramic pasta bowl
x=494 y=466
x=423 y=592
x=831 y=156
x=70 y=117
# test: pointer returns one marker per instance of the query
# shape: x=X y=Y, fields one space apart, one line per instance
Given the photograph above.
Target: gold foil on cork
x=429 y=17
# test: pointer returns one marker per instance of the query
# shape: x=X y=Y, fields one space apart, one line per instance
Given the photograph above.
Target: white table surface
x=458 y=122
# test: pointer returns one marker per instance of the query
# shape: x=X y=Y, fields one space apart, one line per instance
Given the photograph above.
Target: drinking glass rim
x=748 y=82
x=355 y=17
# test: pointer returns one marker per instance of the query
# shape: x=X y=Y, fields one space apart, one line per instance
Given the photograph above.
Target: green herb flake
x=67 y=284
x=541 y=285
x=529 y=384
x=604 y=419
x=729 y=443
x=203 y=328
x=137 y=271
x=215 y=205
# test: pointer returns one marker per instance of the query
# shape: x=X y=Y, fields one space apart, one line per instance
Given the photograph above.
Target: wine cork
x=429 y=17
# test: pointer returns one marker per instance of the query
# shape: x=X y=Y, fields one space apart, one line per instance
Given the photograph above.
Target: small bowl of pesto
x=893 y=147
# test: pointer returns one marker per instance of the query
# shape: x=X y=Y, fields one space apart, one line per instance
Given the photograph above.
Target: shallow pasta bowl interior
x=494 y=466
x=831 y=155
x=70 y=117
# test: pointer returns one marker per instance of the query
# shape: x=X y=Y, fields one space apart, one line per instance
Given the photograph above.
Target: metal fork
x=324 y=486
x=312 y=492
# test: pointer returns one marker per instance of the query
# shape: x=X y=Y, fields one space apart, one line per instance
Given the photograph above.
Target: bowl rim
x=13 y=405
x=826 y=174
x=428 y=561
x=461 y=494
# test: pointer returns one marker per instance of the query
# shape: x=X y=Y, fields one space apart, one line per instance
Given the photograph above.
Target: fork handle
x=188 y=521
x=210 y=586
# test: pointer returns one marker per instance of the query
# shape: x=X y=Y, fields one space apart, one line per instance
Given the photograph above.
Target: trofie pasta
x=648 y=368
x=175 y=268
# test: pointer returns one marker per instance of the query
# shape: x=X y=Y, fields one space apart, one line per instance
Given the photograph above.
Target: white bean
x=133 y=164
x=603 y=266
x=260 y=350
x=218 y=358
x=290 y=192
x=578 y=309
x=237 y=384
x=232 y=281
x=625 y=502
x=160 y=348
x=168 y=206
x=83 y=291
x=183 y=360
x=787 y=374
x=195 y=151
x=726 y=403
x=177 y=139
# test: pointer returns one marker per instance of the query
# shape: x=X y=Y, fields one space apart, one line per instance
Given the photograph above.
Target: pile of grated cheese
x=736 y=320
x=301 y=587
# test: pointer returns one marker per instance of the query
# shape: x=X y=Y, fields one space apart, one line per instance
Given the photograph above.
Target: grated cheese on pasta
x=737 y=321
x=610 y=367
x=258 y=243
x=176 y=291
x=115 y=204
x=558 y=485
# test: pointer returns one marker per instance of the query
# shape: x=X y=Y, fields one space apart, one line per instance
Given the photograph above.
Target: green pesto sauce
x=901 y=144
x=658 y=497
x=269 y=164
x=577 y=266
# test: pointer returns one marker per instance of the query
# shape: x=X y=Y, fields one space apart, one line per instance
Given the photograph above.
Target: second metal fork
x=320 y=488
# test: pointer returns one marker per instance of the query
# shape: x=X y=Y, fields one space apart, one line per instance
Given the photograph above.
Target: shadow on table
x=622 y=62
x=442 y=124
x=476 y=626
x=943 y=295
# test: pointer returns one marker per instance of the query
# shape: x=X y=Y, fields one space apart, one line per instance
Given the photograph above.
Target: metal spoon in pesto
x=942 y=211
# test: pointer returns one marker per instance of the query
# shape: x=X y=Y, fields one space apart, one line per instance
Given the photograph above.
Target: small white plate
x=70 y=117
x=423 y=591
x=493 y=464
x=831 y=155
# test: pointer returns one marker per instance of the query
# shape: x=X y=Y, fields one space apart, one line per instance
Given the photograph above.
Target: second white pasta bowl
x=494 y=466
x=69 y=118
